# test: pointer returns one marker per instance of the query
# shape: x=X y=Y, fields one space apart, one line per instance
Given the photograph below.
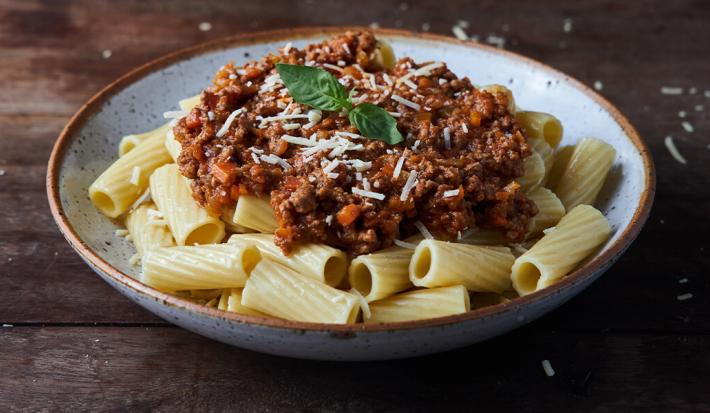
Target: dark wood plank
x=168 y=369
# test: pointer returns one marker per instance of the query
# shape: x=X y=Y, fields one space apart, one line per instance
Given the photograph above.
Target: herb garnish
x=321 y=90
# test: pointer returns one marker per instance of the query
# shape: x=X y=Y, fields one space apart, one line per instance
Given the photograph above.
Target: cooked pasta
x=115 y=190
x=148 y=229
x=199 y=267
x=579 y=232
x=224 y=299
x=382 y=273
x=317 y=261
x=255 y=213
x=234 y=304
x=281 y=292
x=478 y=268
x=129 y=142
x=420 y=304
x=550 y=211
x=559 y=165
x=534 y=173
x=172 y=145
x=546 y=153
x=585 y=173
x=189 y=223
x=188 y=103
x=228 y=218
x=540 y=125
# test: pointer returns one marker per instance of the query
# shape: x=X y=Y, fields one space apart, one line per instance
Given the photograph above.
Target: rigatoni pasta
x=534 y=172
x=255 y=213
x=189 y=223
x=540 y=125
x=320 y=262
x=199 y=267
x=585 y=172
x=148 y=229
x=550 y=211
x=578 y=233
x=115 y=190
x=382 y=273
x=420 y=304
x=282 y=292
x=129 y=142
x=478 y=268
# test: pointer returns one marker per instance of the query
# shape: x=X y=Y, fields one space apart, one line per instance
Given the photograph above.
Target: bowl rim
x=95 y=102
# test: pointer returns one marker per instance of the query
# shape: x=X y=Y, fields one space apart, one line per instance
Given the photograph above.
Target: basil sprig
x=319 y=89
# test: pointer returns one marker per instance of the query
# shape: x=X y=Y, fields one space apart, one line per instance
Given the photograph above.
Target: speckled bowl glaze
x=136 y=101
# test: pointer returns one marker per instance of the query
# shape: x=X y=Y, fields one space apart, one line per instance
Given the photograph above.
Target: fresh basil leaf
x=375 y=123
x=314 y=87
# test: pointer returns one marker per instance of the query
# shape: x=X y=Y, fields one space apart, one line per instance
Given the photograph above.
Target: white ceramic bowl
x=136 y=101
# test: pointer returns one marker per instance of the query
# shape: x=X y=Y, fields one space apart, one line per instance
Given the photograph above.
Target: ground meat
x=477 y=167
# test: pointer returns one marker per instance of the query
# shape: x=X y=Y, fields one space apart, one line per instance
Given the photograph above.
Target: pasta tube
x=189 y=223
x=550 y=211
x=282 y=292
x=255 y=213
x=585 y=173
x=188 y=104
x=199 y=267
x=539 y=125
x=224 y=299
x=478 y=268
x=546 y=153
x=234 y=304
x=559 y=165
x=384 y=55
x=129 y=142
x=228 y=218
x=420 y=304
x=317 y=261
x=115 y=190
x=381 y=274
x=172 y=145
x=148 y=229
x=534 y=172
x=577 y=234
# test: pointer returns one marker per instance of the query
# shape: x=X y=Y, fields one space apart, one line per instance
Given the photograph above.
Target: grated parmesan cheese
x=368 y=194
x=227 y=123
x=408 y=186
x=450 y=193
x=549 y=371
x=683 y=297
x=447 y=138
x=409 y=83
x=682 y=281
x=329 y=220
x=670 y=145
x=459 y=32
x=333 y=67
x=687 y=126
x=331 y=166
x=464 y=128
x=174 y=114
x=255 y=158
x=405 y=244
x=398 y=167
x=423 y=229
x=405 y=102
x=297 y=140
x=671 y=90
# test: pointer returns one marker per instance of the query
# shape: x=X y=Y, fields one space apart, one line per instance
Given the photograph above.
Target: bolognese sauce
x=455 y=170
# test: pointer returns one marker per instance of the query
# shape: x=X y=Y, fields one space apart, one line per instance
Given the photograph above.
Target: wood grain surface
x=71 y=343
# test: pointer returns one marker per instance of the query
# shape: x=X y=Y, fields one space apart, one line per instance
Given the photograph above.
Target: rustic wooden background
x=69 y=342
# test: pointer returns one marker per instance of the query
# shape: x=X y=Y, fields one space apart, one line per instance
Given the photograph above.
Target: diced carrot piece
x=424 y=82
x=224 y=171
x=475 y=118
x=348 y=214
x=423 y=116
x=352 y=71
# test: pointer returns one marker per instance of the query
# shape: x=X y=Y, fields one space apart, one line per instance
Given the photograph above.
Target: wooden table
x=70 y=342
